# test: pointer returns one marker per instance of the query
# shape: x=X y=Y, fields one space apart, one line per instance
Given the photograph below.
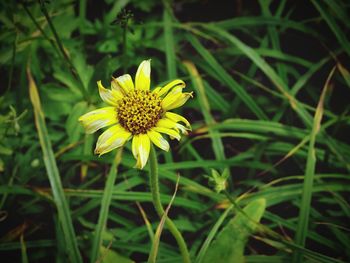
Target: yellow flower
x=137 y=113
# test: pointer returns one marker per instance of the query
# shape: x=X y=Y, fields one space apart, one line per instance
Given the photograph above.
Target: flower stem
x=159 y=208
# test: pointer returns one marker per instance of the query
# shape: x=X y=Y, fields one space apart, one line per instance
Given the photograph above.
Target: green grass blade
x=226 y=78
x=156 y=240
x=304 y=213
x=267 y=69
x=338 y=33
x=273 y=35
x=105 y=204
x=211 y=235
x=230 y=242
x=203 y=100
x=53 y=174
x=169 y=42
x=24 y=250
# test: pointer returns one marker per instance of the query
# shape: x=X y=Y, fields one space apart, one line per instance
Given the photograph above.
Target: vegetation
x=262 y=177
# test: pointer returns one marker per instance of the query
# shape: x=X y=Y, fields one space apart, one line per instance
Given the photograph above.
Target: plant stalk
x=153 y=173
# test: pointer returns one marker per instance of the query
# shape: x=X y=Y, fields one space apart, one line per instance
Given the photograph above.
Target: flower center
x=139 y=111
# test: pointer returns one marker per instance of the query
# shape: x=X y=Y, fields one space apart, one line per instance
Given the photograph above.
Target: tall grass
x=270 y=82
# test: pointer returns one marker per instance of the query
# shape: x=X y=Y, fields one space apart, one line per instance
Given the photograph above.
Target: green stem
x=159 y=208
x=41 y=30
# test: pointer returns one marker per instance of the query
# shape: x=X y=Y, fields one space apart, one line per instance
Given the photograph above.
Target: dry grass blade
x=155 y=244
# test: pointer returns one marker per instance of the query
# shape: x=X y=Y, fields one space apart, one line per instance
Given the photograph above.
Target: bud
x=218 y=181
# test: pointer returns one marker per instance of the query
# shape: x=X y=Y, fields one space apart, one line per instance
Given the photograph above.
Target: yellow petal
x=115 y=86
x=175 y=99
x=166 y=123
x=143 y=76
x=112 y=138
x=140 y=149
x=158 y=140
x=156 y=90
x=177 y=118
x=125 y=82
x=178 y=83
x=170 y=132
x=109 y=96
x=97 y=119
x=170 y=124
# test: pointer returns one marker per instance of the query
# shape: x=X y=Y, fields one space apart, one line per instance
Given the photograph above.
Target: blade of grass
x=280 y=85
x=155 y=244
x=105 y=203
x=169 y=48
x=211 y=235
x=231 y=240
x=169 y=41
x=53 y=173
x=303 y=221
x=82 y=15
x=226 y=78
x=273 y=34
x=203 y=101
x=267 y=69
x=24 y=250
x=339 y=34
x=156 y=198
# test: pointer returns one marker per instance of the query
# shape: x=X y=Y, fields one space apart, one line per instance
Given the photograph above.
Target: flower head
x=137 y=113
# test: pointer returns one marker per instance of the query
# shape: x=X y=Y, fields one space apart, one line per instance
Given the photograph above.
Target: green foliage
x=231 y=240
x=257 y=71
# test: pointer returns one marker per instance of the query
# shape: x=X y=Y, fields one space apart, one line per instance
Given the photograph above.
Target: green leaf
x=230 y=242
x=110 y=256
